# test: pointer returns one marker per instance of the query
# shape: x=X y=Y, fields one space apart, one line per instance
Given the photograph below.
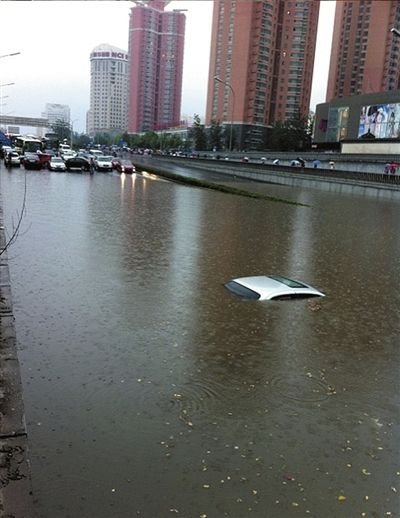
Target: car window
x=241 y=291
x=288 y=282
x=284 y=297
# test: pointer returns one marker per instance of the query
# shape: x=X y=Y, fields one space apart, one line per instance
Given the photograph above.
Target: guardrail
x=236 y=168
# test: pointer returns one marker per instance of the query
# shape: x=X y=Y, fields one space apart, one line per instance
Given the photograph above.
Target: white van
x=96 y=152
x=63 y=147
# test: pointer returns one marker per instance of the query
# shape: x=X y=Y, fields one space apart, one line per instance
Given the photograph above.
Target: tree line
x=290 y=135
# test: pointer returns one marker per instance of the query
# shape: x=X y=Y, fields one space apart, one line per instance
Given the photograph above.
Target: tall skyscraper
x=262 y=52
x=108 y=90
x=56 y=113
x=365 y=56
x=156 y=43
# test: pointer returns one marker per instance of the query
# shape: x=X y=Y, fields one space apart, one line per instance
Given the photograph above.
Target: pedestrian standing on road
x=91 y=165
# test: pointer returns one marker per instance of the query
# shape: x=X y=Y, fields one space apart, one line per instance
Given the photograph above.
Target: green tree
x=62 y=129
x=149 y=140
x=81 y=141
x=104 y=139
x=198 y=134
x=216 y=134
x=291 y=135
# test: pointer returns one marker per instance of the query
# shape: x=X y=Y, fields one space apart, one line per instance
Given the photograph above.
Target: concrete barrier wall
x=16 y=498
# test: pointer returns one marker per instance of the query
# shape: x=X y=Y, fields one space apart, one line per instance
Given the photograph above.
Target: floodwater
x=151 y=391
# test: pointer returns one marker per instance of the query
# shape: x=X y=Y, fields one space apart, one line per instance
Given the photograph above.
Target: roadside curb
x=16 y=498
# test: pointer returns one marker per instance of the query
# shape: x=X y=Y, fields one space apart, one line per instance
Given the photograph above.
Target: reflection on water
x=152 y=391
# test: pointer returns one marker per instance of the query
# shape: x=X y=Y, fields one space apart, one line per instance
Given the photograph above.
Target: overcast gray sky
x=55 y=39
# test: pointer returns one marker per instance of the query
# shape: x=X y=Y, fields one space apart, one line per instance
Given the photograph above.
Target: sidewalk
x=16 y=499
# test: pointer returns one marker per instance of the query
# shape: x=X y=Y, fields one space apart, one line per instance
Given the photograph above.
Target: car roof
x=267 y=287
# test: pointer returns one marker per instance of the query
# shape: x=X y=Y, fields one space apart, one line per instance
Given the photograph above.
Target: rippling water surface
x=152 y=391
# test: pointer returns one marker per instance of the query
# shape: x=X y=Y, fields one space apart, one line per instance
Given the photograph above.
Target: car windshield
x=104 y=159
x=288 y=282
x=56 y=160
x=125 y=162
x=241 y=291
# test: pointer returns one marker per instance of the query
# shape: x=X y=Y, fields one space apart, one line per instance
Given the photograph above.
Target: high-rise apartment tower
x=365 y=56
x=156 y=44
x=108 y=90
x=262 y=53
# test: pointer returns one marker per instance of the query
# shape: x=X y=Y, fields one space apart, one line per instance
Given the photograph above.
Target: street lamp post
x=9 y=55
x=219 y=80
x=72 y=130
x=7 y=84
x=2 y=97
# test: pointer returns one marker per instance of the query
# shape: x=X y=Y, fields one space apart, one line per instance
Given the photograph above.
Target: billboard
x=380 y=121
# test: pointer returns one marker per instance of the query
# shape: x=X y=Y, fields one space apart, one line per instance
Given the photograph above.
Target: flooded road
x=152 y=391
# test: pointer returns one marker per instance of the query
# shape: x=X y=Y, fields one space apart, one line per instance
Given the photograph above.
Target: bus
x=27 y=144
x=50 y=142
x=31 y=144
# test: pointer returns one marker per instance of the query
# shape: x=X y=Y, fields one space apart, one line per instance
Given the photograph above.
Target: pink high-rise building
x=261 y=64
x=156 y=43
x=365 y=55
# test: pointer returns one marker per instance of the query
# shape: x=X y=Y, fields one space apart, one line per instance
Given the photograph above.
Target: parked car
x=12 y=159
x=271 y=287
x=57 y=164
x=103 y=163
x=77 y=162
x=125 y=166
x=32 y=161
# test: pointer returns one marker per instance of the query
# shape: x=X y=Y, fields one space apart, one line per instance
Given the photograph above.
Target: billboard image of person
x=379 y=121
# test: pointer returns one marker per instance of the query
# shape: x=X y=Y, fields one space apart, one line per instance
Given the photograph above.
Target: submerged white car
x=271 y=287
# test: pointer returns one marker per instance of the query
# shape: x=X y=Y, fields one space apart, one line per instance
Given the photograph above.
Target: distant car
x=125 y=166
x=57 y=164
x=50 y=152
x=103 y=163
x=295 y=163
x=77 y=162
x=84 y=154
x=96 y=152
x=32 y=161
x=68 y=153
x=271 y=287
x=12 y=159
